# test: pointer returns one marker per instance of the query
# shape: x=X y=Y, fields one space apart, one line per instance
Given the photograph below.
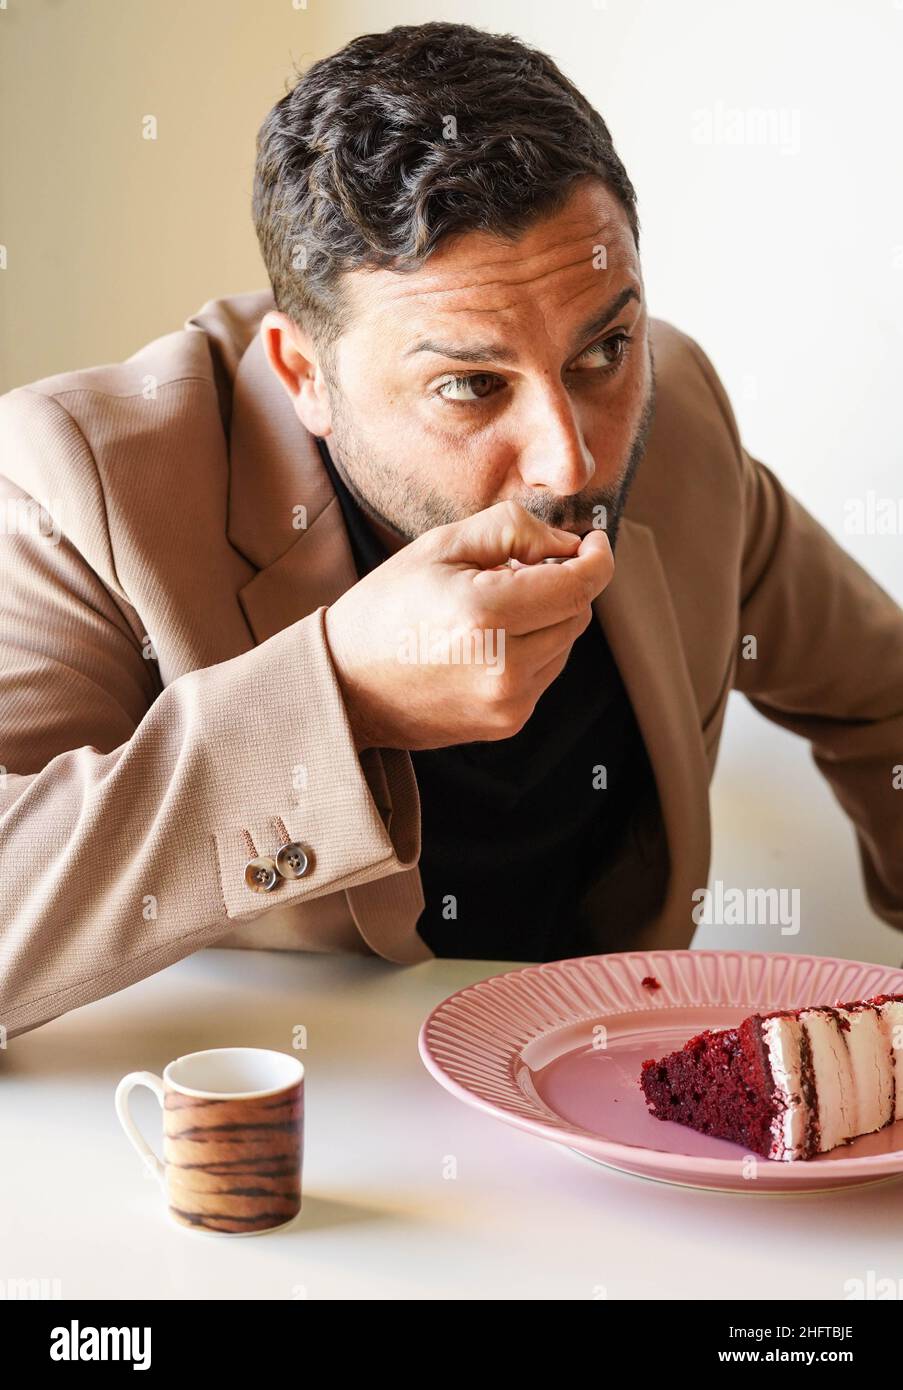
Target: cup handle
x=123 y=1091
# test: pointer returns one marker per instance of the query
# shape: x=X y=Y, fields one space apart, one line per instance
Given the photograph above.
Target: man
x=281 y=665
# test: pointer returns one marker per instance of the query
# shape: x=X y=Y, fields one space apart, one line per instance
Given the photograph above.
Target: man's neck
x=389 y=537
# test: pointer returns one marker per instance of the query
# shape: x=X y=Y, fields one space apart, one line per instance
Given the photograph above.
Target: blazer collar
x=285 y=518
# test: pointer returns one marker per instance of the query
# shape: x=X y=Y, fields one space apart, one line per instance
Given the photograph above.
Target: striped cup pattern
x=234 y=1164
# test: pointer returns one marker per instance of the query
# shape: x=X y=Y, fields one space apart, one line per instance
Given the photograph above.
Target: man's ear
x=290 y=353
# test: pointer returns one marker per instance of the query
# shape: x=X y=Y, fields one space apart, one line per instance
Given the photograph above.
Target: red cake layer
x=719 y=1083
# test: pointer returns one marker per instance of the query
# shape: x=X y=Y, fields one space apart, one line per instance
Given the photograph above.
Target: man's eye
x=610 y=352
x=472 y=384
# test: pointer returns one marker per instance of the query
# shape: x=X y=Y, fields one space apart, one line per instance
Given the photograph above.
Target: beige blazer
x=168 y=708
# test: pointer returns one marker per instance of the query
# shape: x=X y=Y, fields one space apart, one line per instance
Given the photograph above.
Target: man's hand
x=518 y=624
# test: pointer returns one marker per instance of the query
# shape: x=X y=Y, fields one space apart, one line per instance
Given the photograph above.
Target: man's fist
x=439 y=646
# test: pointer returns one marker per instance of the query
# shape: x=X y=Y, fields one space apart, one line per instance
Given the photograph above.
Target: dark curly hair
x=383 y=149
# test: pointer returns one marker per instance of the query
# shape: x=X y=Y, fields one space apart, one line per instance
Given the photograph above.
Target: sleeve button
x=292 y=860
x=260 y=874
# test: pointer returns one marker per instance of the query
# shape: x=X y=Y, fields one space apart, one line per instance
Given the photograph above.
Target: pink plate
x=556 y=1049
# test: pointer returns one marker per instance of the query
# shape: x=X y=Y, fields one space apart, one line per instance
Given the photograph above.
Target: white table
x=523 y=1218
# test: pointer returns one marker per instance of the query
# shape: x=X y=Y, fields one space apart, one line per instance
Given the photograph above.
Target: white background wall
x=784 y=259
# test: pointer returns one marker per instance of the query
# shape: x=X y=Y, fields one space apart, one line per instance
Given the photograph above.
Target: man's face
x=499 y=370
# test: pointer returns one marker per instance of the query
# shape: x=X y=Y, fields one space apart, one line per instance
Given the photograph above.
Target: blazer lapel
x=286 y=520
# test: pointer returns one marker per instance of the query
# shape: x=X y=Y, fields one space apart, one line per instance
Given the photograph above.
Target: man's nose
x=553 y=454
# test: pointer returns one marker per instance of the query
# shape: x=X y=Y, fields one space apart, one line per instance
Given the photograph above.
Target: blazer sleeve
x=827 y=663
x=128 y=810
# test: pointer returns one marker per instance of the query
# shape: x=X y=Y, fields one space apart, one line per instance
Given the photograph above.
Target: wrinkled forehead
x=556 y=267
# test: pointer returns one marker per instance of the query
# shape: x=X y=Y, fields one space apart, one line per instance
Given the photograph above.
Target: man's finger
x=538 y=596
x=534 y=650
x=506 y=530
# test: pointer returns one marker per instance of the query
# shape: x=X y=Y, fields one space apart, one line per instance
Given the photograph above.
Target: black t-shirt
x=514 y=831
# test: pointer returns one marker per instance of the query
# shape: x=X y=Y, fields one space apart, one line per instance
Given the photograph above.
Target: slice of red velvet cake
x=790 y=1084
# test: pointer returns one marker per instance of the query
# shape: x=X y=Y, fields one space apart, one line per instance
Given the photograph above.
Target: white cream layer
x=857 y=1072
x=782 y=1041
x=892 y=1023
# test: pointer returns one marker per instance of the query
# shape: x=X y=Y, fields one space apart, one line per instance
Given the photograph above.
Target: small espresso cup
x=233 y=1138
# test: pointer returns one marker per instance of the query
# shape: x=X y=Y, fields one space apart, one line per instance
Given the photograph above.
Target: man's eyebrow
x=500 y=352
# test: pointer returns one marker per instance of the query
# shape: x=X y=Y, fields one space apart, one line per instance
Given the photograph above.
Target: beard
x=409 y=506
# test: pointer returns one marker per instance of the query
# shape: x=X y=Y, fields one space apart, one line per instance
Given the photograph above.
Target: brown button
x=292 y=860
x=261 y=875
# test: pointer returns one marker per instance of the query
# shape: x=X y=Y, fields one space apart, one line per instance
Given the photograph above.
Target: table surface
x=408 y=1193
